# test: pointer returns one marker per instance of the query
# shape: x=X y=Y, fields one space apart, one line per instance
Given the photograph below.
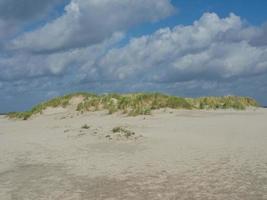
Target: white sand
x=182 y=155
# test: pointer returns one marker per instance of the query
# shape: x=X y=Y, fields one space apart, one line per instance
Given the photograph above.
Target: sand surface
x=216 y=155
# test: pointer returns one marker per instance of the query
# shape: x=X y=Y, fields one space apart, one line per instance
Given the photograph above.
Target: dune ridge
x=135 y=103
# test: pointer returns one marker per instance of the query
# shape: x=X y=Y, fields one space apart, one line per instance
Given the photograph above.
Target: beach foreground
x=173 y=154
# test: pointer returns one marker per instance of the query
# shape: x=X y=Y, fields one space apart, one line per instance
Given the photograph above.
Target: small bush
x=85 y=126
x=125 y=132
x=117 y=129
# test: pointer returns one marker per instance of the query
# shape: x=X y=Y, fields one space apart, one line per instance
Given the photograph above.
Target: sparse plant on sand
x=85 y=126
x=123 y=131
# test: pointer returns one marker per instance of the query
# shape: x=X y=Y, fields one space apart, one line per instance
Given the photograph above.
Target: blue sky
x=190 y=10
x=180 y=47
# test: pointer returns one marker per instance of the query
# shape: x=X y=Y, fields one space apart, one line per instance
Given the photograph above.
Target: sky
x=186 y=48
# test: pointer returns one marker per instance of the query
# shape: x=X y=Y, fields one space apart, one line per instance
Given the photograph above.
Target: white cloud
x=14 y=14
x=22 y=10
x=87 y=22
x=213 y=56
x=26 y=65
x=7 y=30
x=211 y=48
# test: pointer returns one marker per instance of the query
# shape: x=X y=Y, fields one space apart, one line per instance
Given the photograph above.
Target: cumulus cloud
x=213 y=56
x=211 y=48
x=87 y=22
x=25 y=9
x=21 y=66
x=15 y=14
x=6 y=29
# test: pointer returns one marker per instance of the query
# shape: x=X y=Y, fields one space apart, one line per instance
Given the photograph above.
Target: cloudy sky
x=181 y=47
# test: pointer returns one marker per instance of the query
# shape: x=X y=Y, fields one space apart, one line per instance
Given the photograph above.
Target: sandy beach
x=174 y=154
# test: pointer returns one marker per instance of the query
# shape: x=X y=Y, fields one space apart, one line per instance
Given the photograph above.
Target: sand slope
x=182 y=155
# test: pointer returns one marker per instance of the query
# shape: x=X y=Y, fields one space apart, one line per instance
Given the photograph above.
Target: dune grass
x=132 y=104
x=62 y=101
x=139 y=103
x=227 y=102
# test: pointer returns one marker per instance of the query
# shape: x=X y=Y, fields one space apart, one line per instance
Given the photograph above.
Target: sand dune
x=174 y=154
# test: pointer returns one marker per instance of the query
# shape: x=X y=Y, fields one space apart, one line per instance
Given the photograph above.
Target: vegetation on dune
x=132 y=104
x=227 y=102
x=62 y=101
x=139 y=103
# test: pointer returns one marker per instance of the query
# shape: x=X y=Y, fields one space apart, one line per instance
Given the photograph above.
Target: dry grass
x=139 y=103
